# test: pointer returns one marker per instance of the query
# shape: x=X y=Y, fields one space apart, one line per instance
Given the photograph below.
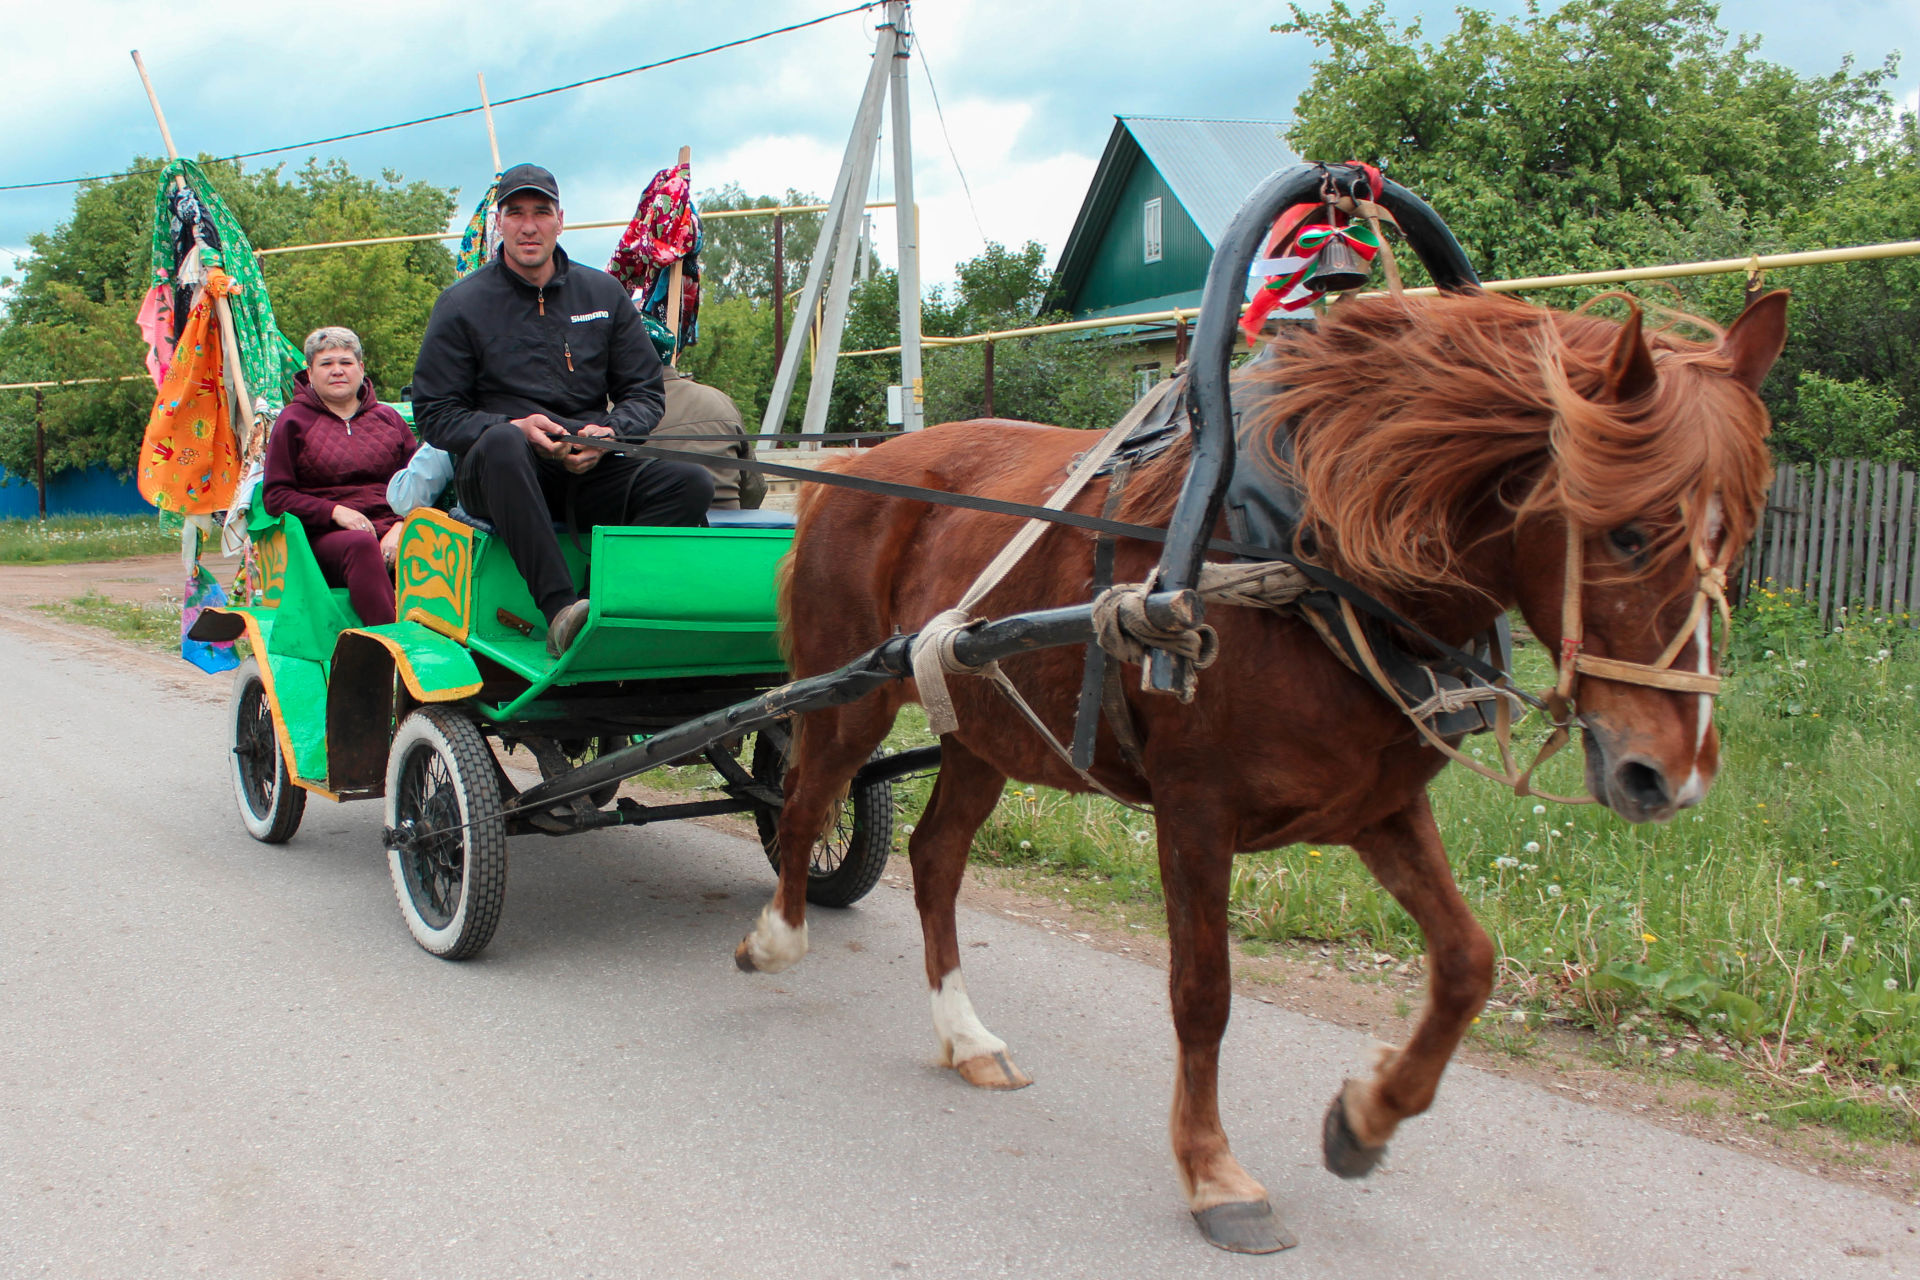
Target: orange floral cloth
x=190 y=460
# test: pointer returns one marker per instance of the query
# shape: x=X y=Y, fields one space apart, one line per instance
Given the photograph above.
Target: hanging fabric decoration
x=202 y=592
x=189 y=459
x=482 y=238
x=201 y=233
x=665 y=229
x=155 y=322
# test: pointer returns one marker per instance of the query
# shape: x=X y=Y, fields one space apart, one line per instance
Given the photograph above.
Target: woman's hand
x=348 y=518
x=390 y=545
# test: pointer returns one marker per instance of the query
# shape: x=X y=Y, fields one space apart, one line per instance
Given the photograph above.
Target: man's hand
x=390 y=545
x=348 y=518
x=540 y=431
x=581 y=460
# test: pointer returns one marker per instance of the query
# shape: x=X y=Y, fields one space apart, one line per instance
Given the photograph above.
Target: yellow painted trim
x=259 y=647
x=464 y=532
x=436 y=624
x=405 y=664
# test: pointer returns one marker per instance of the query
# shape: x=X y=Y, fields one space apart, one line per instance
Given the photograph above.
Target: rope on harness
x=1125 y=631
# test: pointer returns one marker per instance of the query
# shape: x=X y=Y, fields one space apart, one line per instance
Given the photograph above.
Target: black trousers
x=503 y=481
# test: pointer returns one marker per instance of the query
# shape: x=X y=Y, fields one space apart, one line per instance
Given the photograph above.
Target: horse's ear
x=1755 y=339
x=1630 y=372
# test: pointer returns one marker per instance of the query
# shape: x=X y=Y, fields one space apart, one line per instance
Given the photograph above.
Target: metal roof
x=1211 y=164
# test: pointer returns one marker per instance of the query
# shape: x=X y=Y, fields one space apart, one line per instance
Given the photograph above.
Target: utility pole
x=838 y=245
x=40 y=448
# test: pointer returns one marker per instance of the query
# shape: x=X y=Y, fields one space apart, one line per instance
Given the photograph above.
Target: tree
x=736 y=259
x=1610 y=133
x=71 y=315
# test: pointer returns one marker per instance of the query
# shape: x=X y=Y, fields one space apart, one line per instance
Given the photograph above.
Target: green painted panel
x=300 y=692
x=1120 y=276
x=439 y=665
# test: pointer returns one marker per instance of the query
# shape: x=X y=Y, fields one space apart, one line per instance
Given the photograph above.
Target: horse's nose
x=1639 y=791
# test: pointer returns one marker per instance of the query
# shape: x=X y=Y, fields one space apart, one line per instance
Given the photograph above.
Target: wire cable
x=920 y=47
x=467 y=111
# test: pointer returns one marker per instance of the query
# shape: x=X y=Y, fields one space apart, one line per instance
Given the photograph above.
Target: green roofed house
x=1163 y=195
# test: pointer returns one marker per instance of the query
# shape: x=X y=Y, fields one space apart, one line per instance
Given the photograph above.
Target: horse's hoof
x=743 y=956
x=993 y=1071
x=1247 y=1227
x=1341 y=1149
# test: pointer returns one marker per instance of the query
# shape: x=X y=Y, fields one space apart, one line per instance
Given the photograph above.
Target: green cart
x=682 y=626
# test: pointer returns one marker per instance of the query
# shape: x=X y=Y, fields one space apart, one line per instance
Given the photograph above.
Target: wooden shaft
x=153 y=100
x=493 y=142
x=676 y=272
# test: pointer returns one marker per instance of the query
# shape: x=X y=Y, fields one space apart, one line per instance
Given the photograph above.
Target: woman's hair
x=334 y=338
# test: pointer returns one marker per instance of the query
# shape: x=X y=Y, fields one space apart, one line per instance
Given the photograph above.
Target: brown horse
x=1445 y=449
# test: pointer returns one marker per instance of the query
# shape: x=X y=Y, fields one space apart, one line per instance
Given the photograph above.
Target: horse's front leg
x=963 y=796
x=1406 y=856
x=1196 y=859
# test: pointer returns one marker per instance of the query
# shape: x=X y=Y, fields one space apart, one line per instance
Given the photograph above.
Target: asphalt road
x=220 y=1058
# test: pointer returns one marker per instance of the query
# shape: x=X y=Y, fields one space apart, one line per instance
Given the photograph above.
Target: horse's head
x=1656 y=482
x=1444 y=447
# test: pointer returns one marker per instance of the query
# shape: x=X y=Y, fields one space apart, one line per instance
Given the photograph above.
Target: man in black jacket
x=528 y=348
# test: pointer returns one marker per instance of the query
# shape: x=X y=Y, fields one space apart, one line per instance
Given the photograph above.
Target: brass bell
x=1337 y=268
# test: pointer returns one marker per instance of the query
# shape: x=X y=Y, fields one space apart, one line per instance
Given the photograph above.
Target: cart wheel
x=271 y=804
x=447 y=845
x=850 y=857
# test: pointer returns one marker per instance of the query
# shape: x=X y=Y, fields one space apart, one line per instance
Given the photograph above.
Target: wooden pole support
x=675 y=272
x=153 y=100
x=493 y=141
x=40 y=448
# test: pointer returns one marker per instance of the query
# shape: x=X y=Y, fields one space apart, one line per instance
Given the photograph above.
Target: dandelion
x=1906 y=902
x=1761 y=805
x=1141 y=836
x=1769 y=653
x=1800 y=665
x=1819 y=884
x=1539 y=809
x=1553 y=891
x=906 y=828
x=1532 y=846
x=1313 y=853
x=1793 y=882
x=1026 y=846
x=1555 y=833
x=1505 y=864
x=1891 y=984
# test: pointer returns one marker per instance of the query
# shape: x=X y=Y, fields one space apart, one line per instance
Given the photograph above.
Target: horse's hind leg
x=829 y=747
x=1406 y=856
x=1228 y=1204
x=963 y=796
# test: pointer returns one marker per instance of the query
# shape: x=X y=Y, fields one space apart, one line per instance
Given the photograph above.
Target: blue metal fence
x=95 y=491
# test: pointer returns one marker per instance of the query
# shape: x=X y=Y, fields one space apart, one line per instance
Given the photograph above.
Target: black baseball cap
x=527 y=177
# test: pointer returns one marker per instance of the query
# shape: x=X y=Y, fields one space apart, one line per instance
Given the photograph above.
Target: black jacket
x=497 y=348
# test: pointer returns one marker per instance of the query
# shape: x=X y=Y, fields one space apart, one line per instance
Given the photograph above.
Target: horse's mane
x=1408 y=415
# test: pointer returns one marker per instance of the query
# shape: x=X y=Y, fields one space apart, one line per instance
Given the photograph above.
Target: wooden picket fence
x=1844 y=533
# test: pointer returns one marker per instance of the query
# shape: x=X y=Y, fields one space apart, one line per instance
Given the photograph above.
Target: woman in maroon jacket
x=331 y=454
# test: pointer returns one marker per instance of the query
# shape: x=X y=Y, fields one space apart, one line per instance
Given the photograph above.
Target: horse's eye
x=1628 y=540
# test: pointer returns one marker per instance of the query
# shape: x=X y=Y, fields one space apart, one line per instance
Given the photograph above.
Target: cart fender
x=361 y=696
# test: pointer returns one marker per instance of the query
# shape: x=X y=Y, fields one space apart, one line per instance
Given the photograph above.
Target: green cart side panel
x=290 y=576
x=434 y=667
x=665 y=603
x=435 y=562
x=300 y=697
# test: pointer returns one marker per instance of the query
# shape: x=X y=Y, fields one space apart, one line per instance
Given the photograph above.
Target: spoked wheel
x=270 y=803
x=851 y=854
x=446 y=844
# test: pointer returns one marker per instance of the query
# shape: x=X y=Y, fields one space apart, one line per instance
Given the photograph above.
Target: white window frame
x=1150 y=227
x=1145 y=378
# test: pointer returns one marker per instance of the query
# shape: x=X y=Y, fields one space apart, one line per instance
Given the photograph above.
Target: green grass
x=70 y=539
x=154 y=626
x=1787 y=899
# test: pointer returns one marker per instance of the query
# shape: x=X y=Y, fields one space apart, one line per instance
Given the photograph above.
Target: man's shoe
x=565 y=626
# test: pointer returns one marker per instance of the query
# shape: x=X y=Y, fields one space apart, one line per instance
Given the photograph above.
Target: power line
x=941 y=116
x=468 y=111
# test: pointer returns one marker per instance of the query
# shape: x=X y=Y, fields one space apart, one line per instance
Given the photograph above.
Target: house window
x=1150 y=224
x=1144 y=378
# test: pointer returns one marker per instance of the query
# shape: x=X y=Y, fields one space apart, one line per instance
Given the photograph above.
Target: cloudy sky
x=1029 y=90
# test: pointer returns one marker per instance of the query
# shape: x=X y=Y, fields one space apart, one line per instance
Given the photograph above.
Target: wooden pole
x=779 y=290
x=153 y=100
x=986 y=369
x=40 y=448
x=676 y=271
x=493 y=141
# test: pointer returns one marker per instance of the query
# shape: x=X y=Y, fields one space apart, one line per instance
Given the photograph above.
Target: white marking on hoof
x=961 y=1034
x=774 y=944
